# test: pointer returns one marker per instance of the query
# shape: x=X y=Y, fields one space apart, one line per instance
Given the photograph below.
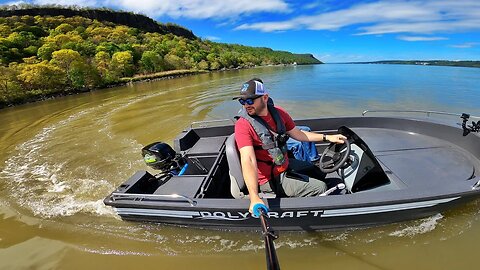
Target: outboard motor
x=160 y=156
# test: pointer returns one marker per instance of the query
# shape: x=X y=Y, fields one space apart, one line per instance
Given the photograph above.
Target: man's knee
x=317 y=187
x=299 y=188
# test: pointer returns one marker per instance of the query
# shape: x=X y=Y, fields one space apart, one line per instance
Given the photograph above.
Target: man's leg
x=306 y=168
x=301 y=185
x=302 y=179
x=313 y=171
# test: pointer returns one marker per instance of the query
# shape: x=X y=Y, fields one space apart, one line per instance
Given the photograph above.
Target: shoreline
x=163 y=75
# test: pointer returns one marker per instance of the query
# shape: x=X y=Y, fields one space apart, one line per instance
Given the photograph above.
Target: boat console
x=360 y=171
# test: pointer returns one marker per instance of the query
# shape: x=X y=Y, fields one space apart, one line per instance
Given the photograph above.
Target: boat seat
x=237 y=183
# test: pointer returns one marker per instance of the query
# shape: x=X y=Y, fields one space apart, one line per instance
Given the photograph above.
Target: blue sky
x=334 y=31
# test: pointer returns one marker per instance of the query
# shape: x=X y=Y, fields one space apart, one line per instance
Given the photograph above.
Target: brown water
x=60 y=158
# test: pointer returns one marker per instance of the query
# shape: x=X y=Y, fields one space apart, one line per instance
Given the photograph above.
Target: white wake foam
x=52 y=182
x=426 y=225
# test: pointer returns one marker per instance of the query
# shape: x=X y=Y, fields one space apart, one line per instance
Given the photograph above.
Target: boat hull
x=293 y=219
x=414 y=168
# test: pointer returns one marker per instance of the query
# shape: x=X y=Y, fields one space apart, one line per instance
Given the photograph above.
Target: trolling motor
x=160 y=156
x=474 y=127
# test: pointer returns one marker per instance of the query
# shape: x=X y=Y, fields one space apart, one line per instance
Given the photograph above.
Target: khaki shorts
x=302 y=179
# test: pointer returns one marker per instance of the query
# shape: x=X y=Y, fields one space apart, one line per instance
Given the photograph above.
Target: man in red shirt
x=259 y=133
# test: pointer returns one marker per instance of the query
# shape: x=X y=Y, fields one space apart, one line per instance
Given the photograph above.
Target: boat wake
x=426 y=225
x=69 y=166
x=61 y=171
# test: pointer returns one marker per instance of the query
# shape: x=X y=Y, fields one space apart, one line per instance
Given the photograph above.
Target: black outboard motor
x=160 y=156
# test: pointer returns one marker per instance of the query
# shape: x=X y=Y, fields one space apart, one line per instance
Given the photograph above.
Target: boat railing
x=210 y=123
x=152 y=197
x=428 y=113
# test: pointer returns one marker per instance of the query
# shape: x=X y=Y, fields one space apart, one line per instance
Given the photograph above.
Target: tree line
x=41 y=56
x=459 y=63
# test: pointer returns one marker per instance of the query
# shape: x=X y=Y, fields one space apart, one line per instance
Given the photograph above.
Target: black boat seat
x=238 y=188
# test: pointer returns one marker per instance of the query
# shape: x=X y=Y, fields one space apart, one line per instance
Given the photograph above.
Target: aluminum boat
x=396 y=169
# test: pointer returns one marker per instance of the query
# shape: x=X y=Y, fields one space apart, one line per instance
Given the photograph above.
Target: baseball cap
x=251 y=89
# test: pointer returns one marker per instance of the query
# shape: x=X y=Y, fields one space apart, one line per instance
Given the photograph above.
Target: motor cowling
x=159 y=156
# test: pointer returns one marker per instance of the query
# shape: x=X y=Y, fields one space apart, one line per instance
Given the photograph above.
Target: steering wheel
x=334 y=156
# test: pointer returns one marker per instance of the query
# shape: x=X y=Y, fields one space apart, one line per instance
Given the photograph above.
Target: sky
x=333 y=31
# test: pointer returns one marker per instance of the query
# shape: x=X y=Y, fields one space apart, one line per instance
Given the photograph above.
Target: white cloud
x=383 y=17
x=81 y=3
x=13 y=3
x=212 y=38
x=196 y=9
x=201 y=9
x=423 y=27
x=465 y=45
x=420 y=38
x=268 y=26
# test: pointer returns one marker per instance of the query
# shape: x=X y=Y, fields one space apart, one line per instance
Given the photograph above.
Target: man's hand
x=254 y=200
x=336 y=138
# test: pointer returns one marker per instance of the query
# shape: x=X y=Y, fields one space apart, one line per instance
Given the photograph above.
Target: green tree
x=78 y=75
x=229 y=59
x=174 y=62
x=64 y=58
x=8 y=82
x=98 y=34
x=102 y=64
x=42 y=76
x=62 y=39
x=86 y=48
x=198 y=56
x=151 y=61
x=203 y=65
x=64 y=28
x=108 y=47
x=122 y=64
x=72 y=64
x=5 y=30
x=30 y=50
x=215 y=65
x=121 y=35
x=45 y=52
x=21 y=39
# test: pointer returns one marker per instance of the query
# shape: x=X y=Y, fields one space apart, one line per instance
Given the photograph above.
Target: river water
x=59 y=159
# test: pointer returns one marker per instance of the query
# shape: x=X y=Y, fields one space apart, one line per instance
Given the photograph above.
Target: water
x=60 y=158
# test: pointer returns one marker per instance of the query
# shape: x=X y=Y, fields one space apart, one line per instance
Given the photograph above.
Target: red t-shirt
x=245 y=135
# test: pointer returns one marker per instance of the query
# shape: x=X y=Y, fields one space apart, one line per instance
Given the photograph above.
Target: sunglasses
x=248 y=101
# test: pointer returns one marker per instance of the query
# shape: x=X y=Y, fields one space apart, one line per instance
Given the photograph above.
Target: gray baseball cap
x=252 y=89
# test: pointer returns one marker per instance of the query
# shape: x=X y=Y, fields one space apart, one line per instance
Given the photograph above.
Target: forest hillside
x=47 y=51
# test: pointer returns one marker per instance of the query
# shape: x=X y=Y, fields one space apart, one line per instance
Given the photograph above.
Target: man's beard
x=258 y=109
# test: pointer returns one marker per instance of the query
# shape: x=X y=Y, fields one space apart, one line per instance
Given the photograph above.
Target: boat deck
x=410 y=159
x=412 y=156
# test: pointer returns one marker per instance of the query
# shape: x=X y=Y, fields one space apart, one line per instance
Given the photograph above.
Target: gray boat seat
x=237 y=183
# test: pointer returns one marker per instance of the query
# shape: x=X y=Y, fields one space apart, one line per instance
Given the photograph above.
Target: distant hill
x=426 y=63
x=49 y=51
